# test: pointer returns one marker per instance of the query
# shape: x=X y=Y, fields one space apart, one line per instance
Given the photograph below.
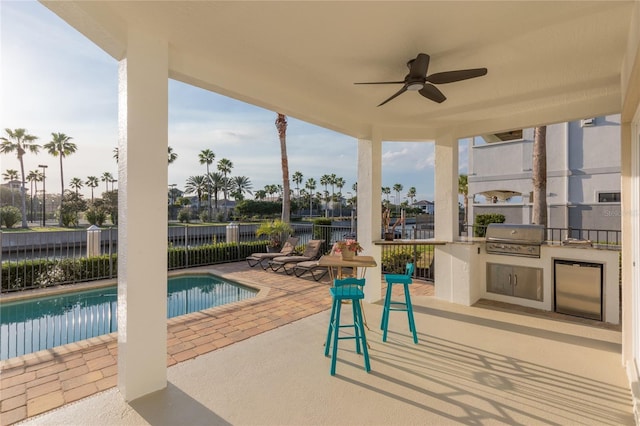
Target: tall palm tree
x=92 y=182
x=216 y=181
x=116 y=154
x=11 y=175
x=340 y=183
x=539 y=174
x=240 y=185
x=281 y=126
x=106 y=178
x=311 y=186
x=76 y=183
x=34 y=177
x=386 y=191
x=297 y=178
x=397 y=188
x=196 y=185
x=463 y=189
x=20 y=141
x=325 y=180
x=60 y=146
x=207 y=157
x=411 y=194
x=224 y=166
x=332 y=182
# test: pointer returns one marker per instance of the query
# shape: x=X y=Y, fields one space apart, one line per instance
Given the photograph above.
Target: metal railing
x=604 y=237
x=395 y=258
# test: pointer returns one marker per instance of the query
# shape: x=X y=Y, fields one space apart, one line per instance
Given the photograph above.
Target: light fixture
x=415 y=86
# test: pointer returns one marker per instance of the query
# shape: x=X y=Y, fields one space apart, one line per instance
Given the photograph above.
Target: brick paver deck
x=36 y=383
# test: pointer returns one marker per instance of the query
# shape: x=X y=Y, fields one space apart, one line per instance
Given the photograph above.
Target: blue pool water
x=31 y=325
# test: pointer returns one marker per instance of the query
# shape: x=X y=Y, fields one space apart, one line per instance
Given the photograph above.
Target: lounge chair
x=311 y=267
x=263 y=259
x=311 y=252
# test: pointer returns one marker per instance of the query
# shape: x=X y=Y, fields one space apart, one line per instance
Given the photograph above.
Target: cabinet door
x=527 y=282
x=499 y=279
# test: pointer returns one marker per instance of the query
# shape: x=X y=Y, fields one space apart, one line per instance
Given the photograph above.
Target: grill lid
x=515 y=233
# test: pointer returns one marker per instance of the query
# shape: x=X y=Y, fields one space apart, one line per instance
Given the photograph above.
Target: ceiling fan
x=418 y=80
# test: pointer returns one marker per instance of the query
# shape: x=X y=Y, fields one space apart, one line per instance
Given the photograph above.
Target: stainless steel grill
x=514 y=239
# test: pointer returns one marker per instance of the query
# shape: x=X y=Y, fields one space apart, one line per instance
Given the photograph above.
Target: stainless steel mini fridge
x=578 y=288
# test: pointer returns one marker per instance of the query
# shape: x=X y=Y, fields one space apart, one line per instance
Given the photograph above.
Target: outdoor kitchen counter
x=399 y=242
x=462 y=275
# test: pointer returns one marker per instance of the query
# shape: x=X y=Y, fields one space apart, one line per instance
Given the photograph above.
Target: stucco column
x=446 y=188
x=369 y=211
x=142 y=214
x=446 y=214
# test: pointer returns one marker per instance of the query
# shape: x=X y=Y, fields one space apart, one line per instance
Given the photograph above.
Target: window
x=609 y=197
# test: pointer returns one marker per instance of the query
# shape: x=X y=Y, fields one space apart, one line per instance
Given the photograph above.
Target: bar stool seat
x=347 y=289
x=391 y=305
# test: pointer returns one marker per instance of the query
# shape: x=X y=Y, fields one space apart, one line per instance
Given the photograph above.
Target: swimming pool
x=31 y=325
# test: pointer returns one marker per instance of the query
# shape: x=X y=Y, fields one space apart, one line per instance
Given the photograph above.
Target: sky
x=54 y=80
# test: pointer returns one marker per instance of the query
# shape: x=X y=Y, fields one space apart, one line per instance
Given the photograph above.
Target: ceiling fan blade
x=430 y=91
x=395 y=95
x=383 y=82
x=452 y=76
x=419 y=66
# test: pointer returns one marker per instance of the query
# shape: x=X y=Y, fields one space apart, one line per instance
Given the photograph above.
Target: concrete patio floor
x=473 y=365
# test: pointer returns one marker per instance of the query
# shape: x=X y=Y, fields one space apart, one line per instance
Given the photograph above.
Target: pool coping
x=57 y=351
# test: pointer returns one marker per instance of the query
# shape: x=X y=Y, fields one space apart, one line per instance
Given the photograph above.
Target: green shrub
x=482 y=220
x=9 y=216
x=204 y=216
x=394 y=262
x=184 y=215
x=96 y=216
x=322 y=231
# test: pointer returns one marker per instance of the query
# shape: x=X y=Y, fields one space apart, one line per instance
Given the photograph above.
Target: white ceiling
x=548 y=61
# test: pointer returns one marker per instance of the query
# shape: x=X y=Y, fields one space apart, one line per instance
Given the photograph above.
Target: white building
x=583 y=174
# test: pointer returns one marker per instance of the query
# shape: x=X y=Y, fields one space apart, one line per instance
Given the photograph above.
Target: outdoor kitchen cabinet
x=517 y=281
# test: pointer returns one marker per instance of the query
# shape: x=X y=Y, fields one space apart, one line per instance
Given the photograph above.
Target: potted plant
x=348 y=248
x=276 y=231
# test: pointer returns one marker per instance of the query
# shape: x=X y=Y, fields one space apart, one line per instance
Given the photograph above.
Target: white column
x=369 y=211
x=142 y=214
x=446 y=214
x=446 y=188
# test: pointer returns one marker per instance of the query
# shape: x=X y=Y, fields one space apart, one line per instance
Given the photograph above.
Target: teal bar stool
x=390 y=305
x=348 y=289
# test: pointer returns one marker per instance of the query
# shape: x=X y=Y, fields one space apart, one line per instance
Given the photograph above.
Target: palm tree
x=241 y=185
x=11 y=175
x=281 y=125
x=34 y=177
x=386 y=191
x=539 y=174
x=325 y=180
x=260 y=194
x=397 y=188
x=207 y=157
x=224 y=166
x=60 y=146
x=297 y=178
x=216 y=181
x=116 y=153
x=411 y=194
x=339 y=182
x=172 y=156
x=20 y=141
x=196 y=185
x=106 y=178
x=311 y=186
x=76 y=183
x=463 y=189
x=92 y=182
x=332 y=182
